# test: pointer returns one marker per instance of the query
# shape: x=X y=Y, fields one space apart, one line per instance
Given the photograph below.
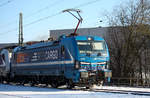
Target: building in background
x=7 y=45
x=99 y=31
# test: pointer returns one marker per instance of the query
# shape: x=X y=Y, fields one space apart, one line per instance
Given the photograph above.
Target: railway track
x=116 y=91
x=121 y=91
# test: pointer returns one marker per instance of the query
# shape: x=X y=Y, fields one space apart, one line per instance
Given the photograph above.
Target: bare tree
x=128 y=36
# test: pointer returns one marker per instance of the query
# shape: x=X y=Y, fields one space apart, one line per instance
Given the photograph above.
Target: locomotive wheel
x=90 y=86
x=70 y=84
x=1 y=79
x=54 y=85
x=101 y=83
x=87 y=87
x=31 y=83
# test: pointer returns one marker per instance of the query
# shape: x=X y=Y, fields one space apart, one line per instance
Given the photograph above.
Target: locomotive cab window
x=92 y=47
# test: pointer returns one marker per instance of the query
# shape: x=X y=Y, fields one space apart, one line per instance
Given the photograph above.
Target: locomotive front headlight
x=77 y=65
x=104 y=54
x=84 y=74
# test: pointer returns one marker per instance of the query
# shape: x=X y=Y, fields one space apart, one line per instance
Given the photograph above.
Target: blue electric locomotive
x=73 y=60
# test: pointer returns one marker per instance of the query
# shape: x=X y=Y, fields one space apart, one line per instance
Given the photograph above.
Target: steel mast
x=20 y=30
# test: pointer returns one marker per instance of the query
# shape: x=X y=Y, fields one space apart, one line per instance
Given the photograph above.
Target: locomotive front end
x=93 y=61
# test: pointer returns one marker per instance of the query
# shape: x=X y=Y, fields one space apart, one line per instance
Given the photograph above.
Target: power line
x=44 y=8
x=5 y=3
x=50 y=16
x=33 y=22
x=86 y=4
x=47 y=17
x=14 y=29
x=48 y=6
x=34 y=13
x=8 y=24
x=41 y=19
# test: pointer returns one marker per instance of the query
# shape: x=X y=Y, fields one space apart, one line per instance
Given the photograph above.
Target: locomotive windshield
x=90 y=47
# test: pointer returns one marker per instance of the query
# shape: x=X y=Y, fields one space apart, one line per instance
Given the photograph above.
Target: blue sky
x=92 y=12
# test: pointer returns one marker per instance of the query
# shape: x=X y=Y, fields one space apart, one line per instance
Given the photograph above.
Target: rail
x=129 y=82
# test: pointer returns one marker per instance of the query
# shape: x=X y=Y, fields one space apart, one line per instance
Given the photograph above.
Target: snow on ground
x=125 y=88
x=10 y=91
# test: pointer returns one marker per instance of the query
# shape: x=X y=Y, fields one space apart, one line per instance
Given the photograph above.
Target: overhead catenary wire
x=9 y=31
x=33 y=22
x=8 y=24
x=86 y=4
x=41 y=19
x=34 y=13
x=5 y=3
x=50 y=16
x=44 y=8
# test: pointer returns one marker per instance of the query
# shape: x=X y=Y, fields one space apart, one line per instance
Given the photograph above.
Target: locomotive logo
x=45 y=55
x=51 y=54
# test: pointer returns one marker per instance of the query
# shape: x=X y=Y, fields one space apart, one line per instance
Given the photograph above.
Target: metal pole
x=20 y=30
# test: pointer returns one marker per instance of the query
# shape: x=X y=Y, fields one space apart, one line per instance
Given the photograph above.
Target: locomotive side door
x=62 y=55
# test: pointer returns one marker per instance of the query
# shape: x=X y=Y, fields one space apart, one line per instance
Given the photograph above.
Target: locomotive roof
x=44 y=44
x=37 y=45
x=41 y=44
